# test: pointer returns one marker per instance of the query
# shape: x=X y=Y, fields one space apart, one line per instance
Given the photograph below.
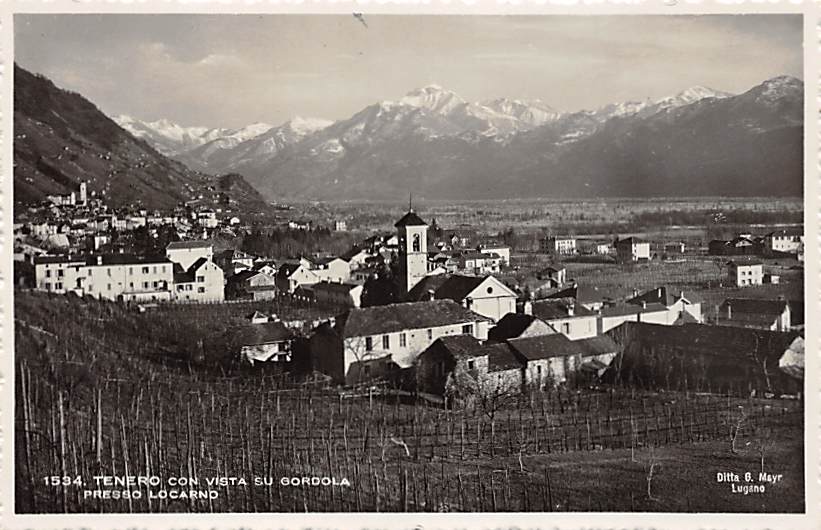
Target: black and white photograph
x=393 y=263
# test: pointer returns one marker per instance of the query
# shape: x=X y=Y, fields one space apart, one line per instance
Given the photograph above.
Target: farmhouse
x=632 y=249
x=704 y=358
x=676 y=303
x=485 y=295
x=251 y=283
x=374 y=342
x=745 y=273
x=565 y=316
x=266 y=342
x=460 y=367
x=785 y=241
x=558 y=245
x=515 y=325
x=772 y=315
x=202 y=282
x=293 y=275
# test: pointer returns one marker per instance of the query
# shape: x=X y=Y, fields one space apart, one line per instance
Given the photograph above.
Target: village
x=447 y=314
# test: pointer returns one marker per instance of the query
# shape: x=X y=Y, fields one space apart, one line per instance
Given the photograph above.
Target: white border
x=812 y=60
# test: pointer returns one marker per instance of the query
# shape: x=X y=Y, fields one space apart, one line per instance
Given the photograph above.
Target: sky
x=233 y=70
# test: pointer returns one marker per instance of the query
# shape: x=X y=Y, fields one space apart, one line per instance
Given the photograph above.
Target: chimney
x=644 y=304
x=729 y=311
x=659 y=292
x=681 y=294
x=571 y=309
x=527 y=308
x=431 y=295
x=99 y=259
x=635 y=293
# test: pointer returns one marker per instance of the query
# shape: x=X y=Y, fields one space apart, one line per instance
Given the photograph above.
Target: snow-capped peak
x=304 y=126
x=691 y=95
x=433 y=98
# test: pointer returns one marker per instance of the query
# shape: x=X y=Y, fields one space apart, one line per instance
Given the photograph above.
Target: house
x=558 y=245
x=742 y=245
x=340 y=226
x=377 y=342
x=122 y=277
x=185 y=253
x=336 y=294
x=202 y=282
x=632 y=249
x=267 y=342
x=251 y=284
x=331 y=269
x=554 y=359
x=717 y=359
x=772 y=315
x=515 y=325
x=460 y=367
x=484 y=295
x=557 y=276
x=231 y=261
x=592 y=297
x=257 y=318
x=503 y=252
x=674 y=248
x=293 y=275
x=564 y=315
x=745 y=273
x=356 y=257
x=675 y=302
x=787 y=241
x=474 y=262
x=613 y=316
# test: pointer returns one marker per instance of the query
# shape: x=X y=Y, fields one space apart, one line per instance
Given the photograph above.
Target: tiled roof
x=264 y=333
x=710 y=340
x=754 y=306
x=410 y=219
x=511 y=326
x=461 y=346
x=421 y=290
x=175 y=245
x=544 y=346
x=361 y=322
x=551 y=309
x=501 y=357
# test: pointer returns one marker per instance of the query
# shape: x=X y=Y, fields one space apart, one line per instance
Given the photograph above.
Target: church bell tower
x=412 y=232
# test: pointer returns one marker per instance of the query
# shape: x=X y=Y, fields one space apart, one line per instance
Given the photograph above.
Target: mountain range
x=438 y=145
x=432 y=142
x=62 y=139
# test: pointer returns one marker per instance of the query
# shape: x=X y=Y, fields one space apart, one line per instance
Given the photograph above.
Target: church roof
x=410 y=219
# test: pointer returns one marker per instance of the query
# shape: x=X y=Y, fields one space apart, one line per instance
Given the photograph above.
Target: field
x=92 y=403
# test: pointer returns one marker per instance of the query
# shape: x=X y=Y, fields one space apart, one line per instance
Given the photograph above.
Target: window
x=467 y=329
x=60 y=273
x=58 y=286
x=131 y=271
x=539 y=370
x=200 y=279
x=108 y=271
x=490 y=290
x=90 y=272
x=163 y=268
x=154 y=284
x=403 y=340
x=566 y=328
x=430 y=334
x=180 y=287
x=200 y=290
x=386 y=342
x=471 y=365
x=145 y=270
x=366 y=369
x=368 y=343
x=48 y=286
x=108 y=287
x=130 y=285
x=48 y=273
x=145 y=285
x=155 y=269
x=417 y=245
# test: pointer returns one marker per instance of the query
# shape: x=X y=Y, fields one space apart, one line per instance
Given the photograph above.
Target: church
x=484 y=295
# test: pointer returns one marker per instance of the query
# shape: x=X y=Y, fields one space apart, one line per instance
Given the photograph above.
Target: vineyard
x=91 y=405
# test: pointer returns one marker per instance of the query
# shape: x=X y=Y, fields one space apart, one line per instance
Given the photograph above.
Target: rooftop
x=178 y=245
x=755 y=306
x=410 y=219
x=361 y=322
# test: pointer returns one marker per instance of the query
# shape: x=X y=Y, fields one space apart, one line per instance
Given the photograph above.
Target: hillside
x=61 y=139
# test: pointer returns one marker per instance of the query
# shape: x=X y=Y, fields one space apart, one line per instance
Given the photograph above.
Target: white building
x=786 y=240
x=378 y=341
x=484 y=295
x=412 y=235
x=202 y=282
x=185 y=253
x=745 y=273
x=562 y=245
x=632 y=249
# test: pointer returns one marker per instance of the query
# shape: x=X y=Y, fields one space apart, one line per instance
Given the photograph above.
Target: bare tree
x=735 y=429
x=650 y=467
x=764 y=442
